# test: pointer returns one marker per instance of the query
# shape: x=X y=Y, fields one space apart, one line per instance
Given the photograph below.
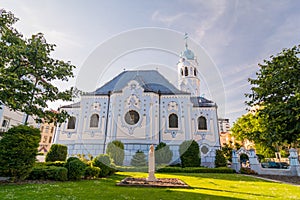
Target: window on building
x=181 y=72
x=4 y=123
x=186 y=71
x=50 y=139
x=173 y=121
x=71 y=123
x=202 y=124
x=47 y=129
x=195 y=72
x=94 y=120
x=42 y=128
x=45 y=139
x=52 y=129
x=132 y=117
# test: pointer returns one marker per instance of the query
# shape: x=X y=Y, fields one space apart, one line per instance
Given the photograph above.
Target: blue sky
x=237 y=35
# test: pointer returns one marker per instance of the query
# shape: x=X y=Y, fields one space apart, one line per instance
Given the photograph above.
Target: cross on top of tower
x=186 y=36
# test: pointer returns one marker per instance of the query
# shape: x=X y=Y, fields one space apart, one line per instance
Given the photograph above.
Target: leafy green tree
x=163 y=154
x=189 y=154
x=139 y=159
x=18 y=150
x=115 y=150
x=252 y=126
x=76 y=168
x=276 y=89
x=27 y=72
x=57 y=152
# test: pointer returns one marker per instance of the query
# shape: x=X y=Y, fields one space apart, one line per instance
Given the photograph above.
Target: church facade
x=141 y=108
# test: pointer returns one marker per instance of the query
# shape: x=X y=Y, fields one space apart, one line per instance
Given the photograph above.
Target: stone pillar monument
x=151 y=165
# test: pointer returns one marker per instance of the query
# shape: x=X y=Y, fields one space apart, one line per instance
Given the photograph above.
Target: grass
x=204 y=186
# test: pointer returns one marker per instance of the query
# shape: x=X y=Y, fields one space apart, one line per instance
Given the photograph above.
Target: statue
x=151 y=165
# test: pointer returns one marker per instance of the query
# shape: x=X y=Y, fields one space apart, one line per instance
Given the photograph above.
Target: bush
x=105 y=163
x=49 y=173
x=115 y=150
x=18 y=150
x=139 y=159
x=57 y=152
x=247 y=171
x=75 y=168
x=189 y=154
x=195 y=170
x=91 y=172
x=132 y=169
x=163 y=154
x=220 y=160
x=56 y=163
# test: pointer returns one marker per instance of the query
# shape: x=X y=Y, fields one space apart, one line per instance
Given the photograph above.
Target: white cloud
x=168 y=20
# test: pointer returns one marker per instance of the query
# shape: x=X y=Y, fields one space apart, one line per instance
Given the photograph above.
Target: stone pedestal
x=151 y=165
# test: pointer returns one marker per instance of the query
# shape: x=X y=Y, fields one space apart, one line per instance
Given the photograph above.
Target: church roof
x=149 y=80
x=73 y=105
x=202 y=102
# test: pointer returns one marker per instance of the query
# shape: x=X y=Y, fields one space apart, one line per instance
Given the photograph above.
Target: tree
x=253 y=127
x=220 y=160
x=163 y=154
x=139 y=159
x=189 y=154
x=18 y=150
x=105 y=163
x=115 y=150
x=58 y=152
x=276 y=89
x=27 y=72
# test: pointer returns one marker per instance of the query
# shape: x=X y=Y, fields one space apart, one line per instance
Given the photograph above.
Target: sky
x=233 y=35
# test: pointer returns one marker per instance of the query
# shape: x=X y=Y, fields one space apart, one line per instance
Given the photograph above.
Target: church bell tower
x=188 y=80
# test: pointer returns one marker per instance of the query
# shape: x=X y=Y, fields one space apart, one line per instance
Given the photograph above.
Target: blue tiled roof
x=149 y=80
x=202 y=102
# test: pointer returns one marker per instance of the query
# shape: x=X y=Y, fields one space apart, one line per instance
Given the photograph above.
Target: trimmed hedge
x=57 y=152
x=224 y=170
x=48 y=173
x=91 y=172
x=105 y=163
x=75 y=168
x=18 y=150
x=189 y=154
x=132 y=169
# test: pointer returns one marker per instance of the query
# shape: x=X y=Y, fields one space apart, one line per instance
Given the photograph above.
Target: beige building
x=47 y=132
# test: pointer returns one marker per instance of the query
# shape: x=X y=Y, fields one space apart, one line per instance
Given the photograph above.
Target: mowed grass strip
x=203 y=186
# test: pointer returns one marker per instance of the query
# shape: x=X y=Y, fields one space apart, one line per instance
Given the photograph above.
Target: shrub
x=56 y=163
x=247 y=171
x=220 y=160
x=75 y=168
x=163 y=154
x=57 y=152
x=139 y=159
x=189 y=154
x=105 y=163
x=91 y=172
x=49 y=173
x=115 y=150
x=195 y=170
x=18 y=150
x=132 y=169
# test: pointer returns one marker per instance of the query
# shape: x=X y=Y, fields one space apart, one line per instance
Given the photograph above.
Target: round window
x=132 y=117
x=204 y=149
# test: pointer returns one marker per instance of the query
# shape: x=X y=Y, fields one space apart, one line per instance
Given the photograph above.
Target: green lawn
x=204 y=186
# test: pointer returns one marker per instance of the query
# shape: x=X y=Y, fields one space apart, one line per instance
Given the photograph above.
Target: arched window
x=181 y=72
x=186 y=71
x=94 y=121
x=202 y=125
x=71 y=123
x=173 y=121
x=195 y=72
